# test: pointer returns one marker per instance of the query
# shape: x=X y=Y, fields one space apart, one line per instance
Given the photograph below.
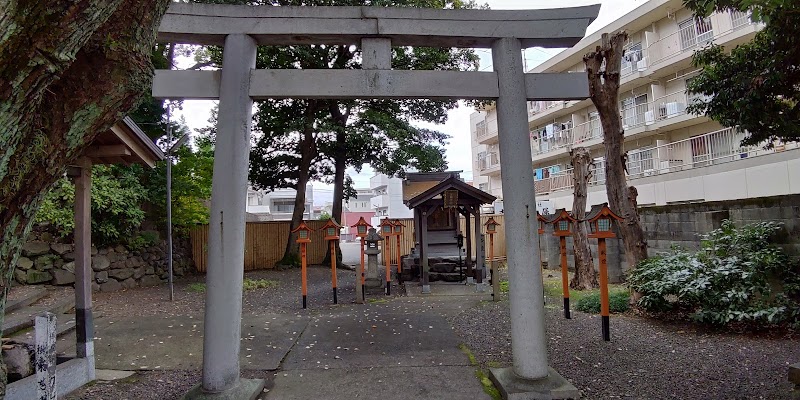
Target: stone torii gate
x=375 y=29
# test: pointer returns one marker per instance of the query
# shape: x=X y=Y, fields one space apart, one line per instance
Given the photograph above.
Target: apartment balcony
x=486 y=135
x=490 y=164
x=680 y=45
x=552 y=142
x=381 y=201
x=378 y=181
x=722 y=146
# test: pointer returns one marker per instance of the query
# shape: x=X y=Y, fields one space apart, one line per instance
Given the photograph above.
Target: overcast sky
x=459 y=151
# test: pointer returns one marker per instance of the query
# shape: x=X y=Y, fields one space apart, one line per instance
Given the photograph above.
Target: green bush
x=590 y=303
x=143 y=240
x=738 y=275
x=116 y=198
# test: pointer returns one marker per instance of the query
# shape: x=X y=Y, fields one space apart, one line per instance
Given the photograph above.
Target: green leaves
x=116 y=198
x=755 y=86
x=737 y=276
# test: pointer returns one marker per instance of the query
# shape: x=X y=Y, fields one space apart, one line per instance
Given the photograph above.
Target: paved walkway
x=400 y=348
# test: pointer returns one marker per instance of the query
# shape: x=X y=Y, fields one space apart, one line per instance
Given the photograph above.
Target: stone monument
x=373 y=277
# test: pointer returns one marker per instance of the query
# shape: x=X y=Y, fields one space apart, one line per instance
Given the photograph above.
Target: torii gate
x=376 y=29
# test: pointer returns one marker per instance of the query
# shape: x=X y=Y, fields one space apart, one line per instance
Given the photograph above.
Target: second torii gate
x=375 y=29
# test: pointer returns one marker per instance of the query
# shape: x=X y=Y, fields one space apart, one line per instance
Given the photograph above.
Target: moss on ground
x=486 y=383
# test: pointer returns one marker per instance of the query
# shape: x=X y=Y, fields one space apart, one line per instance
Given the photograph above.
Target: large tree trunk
x=604 y=92
x=68 y=71
x=308 y=150
x=585 y=276
x=340 y=165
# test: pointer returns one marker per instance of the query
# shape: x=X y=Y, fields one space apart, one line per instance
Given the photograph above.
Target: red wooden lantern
x=601 y=222
x=542 y=221
x=361 y=227
x=331 y=230
x=491 y=226
x=387 y=227
x=562 y=223
x=303 y=233
x=398 y=227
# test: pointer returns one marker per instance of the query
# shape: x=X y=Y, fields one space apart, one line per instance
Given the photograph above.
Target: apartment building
x=277 y=205
x=387 y=199
x=672 y=156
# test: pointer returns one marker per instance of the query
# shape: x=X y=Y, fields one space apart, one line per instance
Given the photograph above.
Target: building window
x=283 y=206
x=640 y=162
x=480 y=129
x=695 y=31
x=633 y=54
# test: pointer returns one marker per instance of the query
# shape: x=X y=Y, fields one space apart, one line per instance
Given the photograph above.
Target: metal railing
x=491 y=160
x=740 y=19
x=664 y=107
x=546 y=143
x=480 y=129
x=712 y=148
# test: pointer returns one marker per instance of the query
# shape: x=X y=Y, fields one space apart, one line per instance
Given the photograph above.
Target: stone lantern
x=542 y=221
x=372 y=250
x=361 y=232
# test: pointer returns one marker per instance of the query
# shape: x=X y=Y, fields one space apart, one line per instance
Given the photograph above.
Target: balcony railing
x=545 y=143
x=491 y=160
x=712 y=148
x=662 y=108
x=740 y=19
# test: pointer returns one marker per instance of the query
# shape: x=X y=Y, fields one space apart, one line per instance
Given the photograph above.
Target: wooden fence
x=266 y=241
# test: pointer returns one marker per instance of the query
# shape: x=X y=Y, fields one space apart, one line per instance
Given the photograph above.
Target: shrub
x=143 y=240
x=590 y=303
x=737 y=276
x=250 y=284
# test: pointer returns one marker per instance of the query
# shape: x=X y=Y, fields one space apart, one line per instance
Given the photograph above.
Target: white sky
x=459 y=149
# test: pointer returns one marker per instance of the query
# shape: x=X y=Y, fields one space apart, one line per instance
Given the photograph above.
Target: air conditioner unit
x=641 y=65
x=649 y=118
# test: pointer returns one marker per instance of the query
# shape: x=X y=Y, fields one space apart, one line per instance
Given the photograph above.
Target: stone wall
x=45 y=260
x=683 y=224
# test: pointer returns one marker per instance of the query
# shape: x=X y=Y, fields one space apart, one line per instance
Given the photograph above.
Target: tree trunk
x=68 y=71
x=604 y=92
x=585 y=276
x=340 y=165
x=308 y=150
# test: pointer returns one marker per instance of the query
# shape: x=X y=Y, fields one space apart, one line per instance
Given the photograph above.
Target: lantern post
x=303 y=238
x=562 y=224
x=542 y=221
x=398 y=232
x=331 y=230
x=491 y=229
x=387 y=230
x=361 y=232
x=600 y=221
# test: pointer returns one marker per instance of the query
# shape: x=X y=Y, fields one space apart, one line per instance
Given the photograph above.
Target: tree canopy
x=755 y=86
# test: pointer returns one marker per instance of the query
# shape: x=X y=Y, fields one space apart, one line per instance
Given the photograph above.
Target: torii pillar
x=530 y=377
x=222 y=327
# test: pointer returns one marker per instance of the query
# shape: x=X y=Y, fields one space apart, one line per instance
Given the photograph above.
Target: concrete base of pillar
x=374 y=283
x=246 y=389
x=470 y=280
x=512 y=387
x=426 y=289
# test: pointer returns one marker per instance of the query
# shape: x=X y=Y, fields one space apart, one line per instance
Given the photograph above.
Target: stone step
x=794 y=375
x=446 y=277
x=65 y=324
x=32 y=297
x=24 y=318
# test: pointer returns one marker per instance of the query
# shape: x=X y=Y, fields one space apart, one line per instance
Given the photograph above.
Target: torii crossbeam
x=375 y=29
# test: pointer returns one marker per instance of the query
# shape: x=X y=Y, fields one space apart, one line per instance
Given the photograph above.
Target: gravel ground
x=646 y=359
x=284 y=298
x=156 y=385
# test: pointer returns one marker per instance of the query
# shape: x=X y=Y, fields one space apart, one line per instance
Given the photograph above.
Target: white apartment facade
x=672 y=156
x=277 y=205
x=387 y=199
